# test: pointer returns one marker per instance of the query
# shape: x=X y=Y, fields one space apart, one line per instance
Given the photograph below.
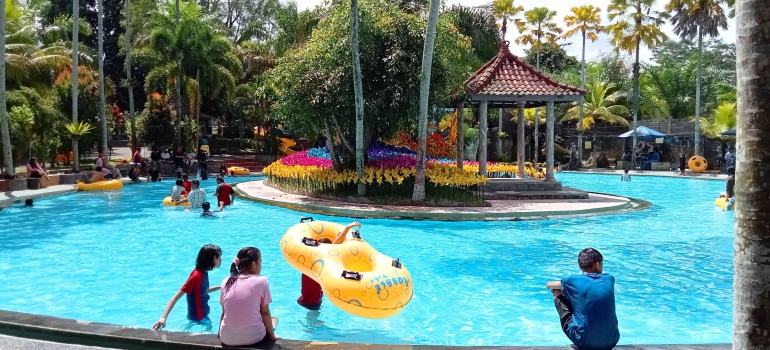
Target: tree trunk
x=129 y=81
x=582 y=86
x=537 y=109
x=636 y=98
x=7 y=154
x=697 y=95
x=359 y=97
x=198 y=109
x=499 y=148
x=460 y=138
x=330 y=146
x=422 y=123
x=751 y=319
x=178 y=88
x=102 y=99
x=75 y=42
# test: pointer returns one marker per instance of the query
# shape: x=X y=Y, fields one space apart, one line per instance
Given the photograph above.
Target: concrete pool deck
x=65 y=331
x=596 y=204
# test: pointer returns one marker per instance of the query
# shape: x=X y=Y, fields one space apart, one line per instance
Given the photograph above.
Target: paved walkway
x=14 y=343
x=500 y=210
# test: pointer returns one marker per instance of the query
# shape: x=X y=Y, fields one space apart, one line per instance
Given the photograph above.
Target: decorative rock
x=364 y=200
x=352 y=199
x=18 y=184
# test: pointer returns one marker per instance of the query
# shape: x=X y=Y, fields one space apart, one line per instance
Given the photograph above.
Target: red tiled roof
x=506 y=74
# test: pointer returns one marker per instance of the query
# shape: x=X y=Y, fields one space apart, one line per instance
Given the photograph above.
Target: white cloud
x=562 y=8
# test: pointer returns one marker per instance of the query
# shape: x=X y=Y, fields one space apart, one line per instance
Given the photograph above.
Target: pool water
x=118 y=258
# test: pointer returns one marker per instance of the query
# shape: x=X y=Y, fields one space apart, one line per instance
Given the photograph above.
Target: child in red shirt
x=187 y=184
x=197 y=288
x=224 y=193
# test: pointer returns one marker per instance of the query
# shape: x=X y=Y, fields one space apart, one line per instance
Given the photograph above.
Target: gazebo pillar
x=549 y=121
x=520 y=140
x=483 y=138
x=460 y=137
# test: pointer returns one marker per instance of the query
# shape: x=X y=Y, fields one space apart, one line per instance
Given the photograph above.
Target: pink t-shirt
x=243 y=323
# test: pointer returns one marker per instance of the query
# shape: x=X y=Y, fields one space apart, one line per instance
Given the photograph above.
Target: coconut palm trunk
x=75 y=42
x=537 y=109
x=129 y=82
x=636 y=96
x=198 y=111
x=582 y=86
x=359 y=97
x=7 y=155
x=178 y=87
x=697 y=94
x=422 y=123
x=102 y=101
x=751 y=283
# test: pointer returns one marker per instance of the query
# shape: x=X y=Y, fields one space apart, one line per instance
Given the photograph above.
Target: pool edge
x=71 y=331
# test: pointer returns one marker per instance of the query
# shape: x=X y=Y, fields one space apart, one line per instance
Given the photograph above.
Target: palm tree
x=7 y=155
x=599 y=105
x=478 y=24
x=586 y=21
x=751 y=281
x=422 y=123
x=637 y=24
x=178 y=84
x=538 y=25
x=723 y=118
x=102 y=102
x=358 y=94
x=504 y=10
x=129 y=81
x=530 y=115
x=696 y=18
x=75 y=43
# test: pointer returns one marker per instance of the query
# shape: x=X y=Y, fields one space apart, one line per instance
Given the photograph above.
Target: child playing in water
x=177 y=191
x=197 y=288
x=730 y=187
x=625 y=177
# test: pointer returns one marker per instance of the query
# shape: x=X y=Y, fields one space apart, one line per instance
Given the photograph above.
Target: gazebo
x=508 y=82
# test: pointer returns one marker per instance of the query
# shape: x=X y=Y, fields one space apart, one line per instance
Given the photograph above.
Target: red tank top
x=224 y=193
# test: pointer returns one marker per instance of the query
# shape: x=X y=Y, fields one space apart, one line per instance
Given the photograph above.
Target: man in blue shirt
x=586 y=304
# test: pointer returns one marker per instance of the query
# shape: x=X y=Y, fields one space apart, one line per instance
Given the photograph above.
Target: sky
x=562 y=8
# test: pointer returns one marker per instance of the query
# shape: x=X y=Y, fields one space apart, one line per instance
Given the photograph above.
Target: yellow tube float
x=238 y=170
x=697 y=164
x=354 y=276
x=722 y=203
x=169 y=203
x=111 y=185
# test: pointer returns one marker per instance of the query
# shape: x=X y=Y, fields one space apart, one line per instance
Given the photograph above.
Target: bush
x=156 y=122
x=470 y=134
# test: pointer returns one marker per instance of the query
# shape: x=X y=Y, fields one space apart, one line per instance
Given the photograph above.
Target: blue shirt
x=594 y=323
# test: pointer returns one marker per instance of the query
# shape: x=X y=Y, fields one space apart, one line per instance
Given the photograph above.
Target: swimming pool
x=118 y=258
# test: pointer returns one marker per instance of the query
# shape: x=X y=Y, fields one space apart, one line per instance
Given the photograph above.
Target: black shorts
x=564 y=308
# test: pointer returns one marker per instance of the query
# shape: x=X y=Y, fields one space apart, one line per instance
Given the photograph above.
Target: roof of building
x=507 y=76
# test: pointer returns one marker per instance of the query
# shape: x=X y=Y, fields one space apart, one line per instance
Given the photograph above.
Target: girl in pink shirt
x=245 y=299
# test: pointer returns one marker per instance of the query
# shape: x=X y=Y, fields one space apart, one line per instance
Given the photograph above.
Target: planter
x=69 y=179
x=18 y=184
x=33 y=183
x=51 y=180
x=5 y=185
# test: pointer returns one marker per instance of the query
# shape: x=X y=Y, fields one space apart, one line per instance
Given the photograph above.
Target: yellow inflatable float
x=354 y=276
x=722 y=203
x=238 y=170
x=111 y=185
x=697 y=164
x=169 y=203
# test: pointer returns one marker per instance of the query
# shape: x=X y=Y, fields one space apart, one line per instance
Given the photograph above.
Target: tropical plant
x=505 y=10
x=751 y=281
x=723 y=118
x=77 y=130
x=653 y=104
x=478 y=24
x=422 y=123
x=599 y=105
x=586 y=21
x=637 y=23
x=538 y=25
x=696 y=18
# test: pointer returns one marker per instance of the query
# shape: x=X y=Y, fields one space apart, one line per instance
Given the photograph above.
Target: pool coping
x=71 y=331
x=349 y=210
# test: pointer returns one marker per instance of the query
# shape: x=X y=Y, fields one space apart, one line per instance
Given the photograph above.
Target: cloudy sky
x=562 y=8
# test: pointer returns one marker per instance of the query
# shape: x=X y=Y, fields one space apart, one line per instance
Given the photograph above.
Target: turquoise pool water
x=119 y=257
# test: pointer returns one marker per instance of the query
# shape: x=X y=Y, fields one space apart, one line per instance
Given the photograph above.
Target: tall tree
x=504 y=10
x=178 y=84
x=637 y=24
x=129 y=80
x=586 y=21
x=600 y=104
x=75 y=44
x=358 y=95
x=694 y=19
x=538 y=25
x=102 y=98
x=422 y=123
x=7 y=155
x=751 y=283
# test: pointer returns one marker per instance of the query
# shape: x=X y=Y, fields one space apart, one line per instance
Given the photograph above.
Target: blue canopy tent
x=730 y=132
x=644 y=133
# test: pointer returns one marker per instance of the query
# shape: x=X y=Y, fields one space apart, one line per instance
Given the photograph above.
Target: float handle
x=309 y=242
x=306 y=218
x=352 y=275
x=396 y=263
x=357 y=234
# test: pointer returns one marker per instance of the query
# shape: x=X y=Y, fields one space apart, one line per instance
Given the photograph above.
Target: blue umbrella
x=730 y=132
x=643 y=132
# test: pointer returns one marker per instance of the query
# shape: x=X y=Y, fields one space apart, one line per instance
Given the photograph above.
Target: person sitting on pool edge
x=586 y=304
